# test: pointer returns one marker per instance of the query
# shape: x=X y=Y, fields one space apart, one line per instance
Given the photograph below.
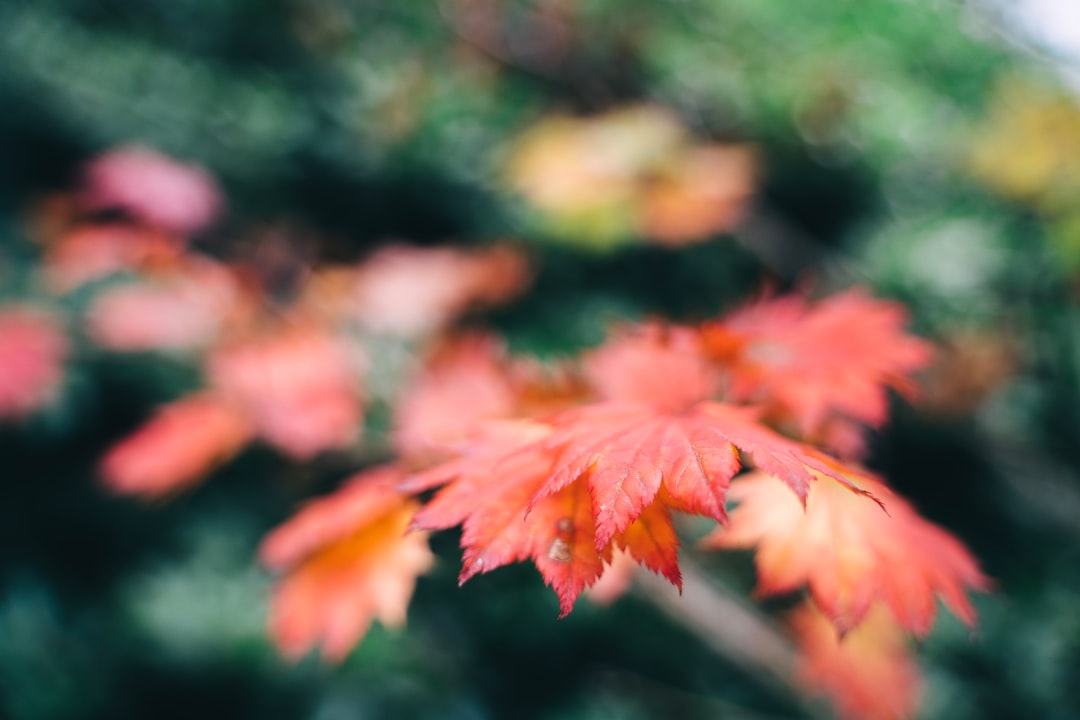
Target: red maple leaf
x=177 y=447
x=492 y=484
x=566 y=491
x=850 y=551
x=809 y=363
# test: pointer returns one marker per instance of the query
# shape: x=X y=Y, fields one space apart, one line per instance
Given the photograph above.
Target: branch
x=728 y=625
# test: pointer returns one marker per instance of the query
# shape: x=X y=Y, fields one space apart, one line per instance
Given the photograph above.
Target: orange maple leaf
x=704 y=191
x=808 y=362
x=850 y=550
x=347 y=559
x=868 y=674
x=177 y=447
x=566 y=491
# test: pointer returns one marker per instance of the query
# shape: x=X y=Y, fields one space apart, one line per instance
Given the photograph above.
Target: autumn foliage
x=852 y=554
x=868 y=673
x=583 y=466
x=655 y=424
x=346 y=560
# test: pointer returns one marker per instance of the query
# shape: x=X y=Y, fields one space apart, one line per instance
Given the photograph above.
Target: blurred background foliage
x=918 y=147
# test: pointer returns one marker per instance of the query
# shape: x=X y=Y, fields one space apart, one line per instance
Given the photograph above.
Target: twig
x=728 y=625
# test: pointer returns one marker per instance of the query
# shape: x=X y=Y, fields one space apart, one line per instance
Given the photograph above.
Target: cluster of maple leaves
x=581 y=467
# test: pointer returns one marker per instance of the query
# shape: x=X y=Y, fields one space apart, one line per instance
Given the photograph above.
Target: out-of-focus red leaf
x=181 y=310
x=656 y=364
x=347 y=559
x=408 y=291
x=850 y=550
x=465 y=381
x=808 y=362
x=868 y=674
x=152 y=188
x=33 y=348
x=470 y=380
x=300 y=386
x=91 y=252
x=177 y=447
